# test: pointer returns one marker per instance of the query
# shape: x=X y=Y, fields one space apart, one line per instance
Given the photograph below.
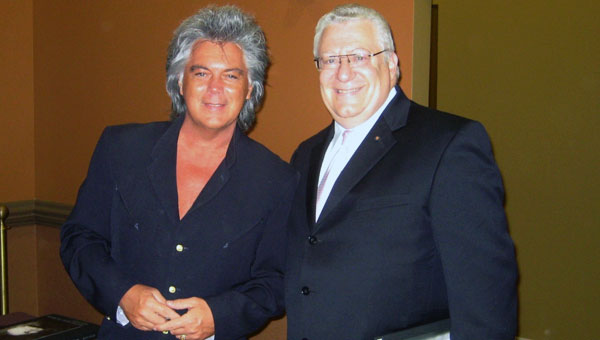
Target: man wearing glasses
x=398 y=219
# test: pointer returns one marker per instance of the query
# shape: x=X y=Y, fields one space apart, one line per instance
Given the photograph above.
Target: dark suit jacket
x=414 y=230
x=125 y=229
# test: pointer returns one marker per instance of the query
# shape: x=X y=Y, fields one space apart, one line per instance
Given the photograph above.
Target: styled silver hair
x=355 y=12
x=219 y=24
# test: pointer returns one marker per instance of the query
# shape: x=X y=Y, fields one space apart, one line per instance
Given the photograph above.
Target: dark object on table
x=423 y=332
x=50 y=327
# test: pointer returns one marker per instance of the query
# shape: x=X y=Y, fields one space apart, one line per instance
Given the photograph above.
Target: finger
x=167 y=313
x=152 y=314
x=145 y=319
x=194 y=336
x=180 y=331
x=173 y=324
x=141 y=327
x=158 y=296
x=168 y=316
x=190 y=335
x=183 y=303
x=148 y=323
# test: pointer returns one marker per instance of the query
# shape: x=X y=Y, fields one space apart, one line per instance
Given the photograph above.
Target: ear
x=249 y=92
x=393 y=63
x=180 y=83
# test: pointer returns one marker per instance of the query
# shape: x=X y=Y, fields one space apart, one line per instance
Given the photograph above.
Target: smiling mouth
x=347 y=91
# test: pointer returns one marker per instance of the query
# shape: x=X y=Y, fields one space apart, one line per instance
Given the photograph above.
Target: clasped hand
x=148 y=310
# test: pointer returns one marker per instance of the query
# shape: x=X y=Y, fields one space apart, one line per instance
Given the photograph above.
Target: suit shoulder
x=265 y=160
x=424 y=115
x=439 y=126
x=318 y=138
x=132 y=142
x=136 y=131
x=438 y=123
x=263 y=171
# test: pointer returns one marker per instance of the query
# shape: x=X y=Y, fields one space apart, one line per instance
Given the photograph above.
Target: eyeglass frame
x=347 y=56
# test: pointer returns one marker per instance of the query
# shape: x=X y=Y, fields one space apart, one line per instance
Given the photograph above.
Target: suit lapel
x=375 y=145
x=161 y=170
x=373 y=148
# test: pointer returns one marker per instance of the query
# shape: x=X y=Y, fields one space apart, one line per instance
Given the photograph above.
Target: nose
x=344 y=71
x=215 y=84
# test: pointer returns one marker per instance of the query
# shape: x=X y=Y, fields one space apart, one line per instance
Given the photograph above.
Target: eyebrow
x=233 y=69
x=352 y=51
x=196 y=67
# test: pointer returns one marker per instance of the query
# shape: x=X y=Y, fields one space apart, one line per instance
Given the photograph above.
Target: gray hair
x=221 y=25
x=355 y=12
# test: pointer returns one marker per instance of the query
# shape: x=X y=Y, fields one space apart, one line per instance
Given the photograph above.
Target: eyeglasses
x=354 y=60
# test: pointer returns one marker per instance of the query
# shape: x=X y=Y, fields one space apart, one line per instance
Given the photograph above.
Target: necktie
x=322 y=183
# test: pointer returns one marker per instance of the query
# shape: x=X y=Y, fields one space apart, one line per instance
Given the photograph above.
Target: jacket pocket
x=382 y=202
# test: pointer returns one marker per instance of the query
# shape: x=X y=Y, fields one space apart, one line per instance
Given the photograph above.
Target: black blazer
x=413 y=231
x=228 y=249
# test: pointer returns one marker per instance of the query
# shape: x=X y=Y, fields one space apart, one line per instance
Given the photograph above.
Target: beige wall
x=529 y=70
x=16 y=101
x=22 y=270
x=17 y=145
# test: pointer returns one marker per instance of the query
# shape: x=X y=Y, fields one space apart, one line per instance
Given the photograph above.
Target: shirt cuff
x=121 y=318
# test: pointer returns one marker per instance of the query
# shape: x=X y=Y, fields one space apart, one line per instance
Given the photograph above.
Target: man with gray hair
x=179 y=227
x=398 y=219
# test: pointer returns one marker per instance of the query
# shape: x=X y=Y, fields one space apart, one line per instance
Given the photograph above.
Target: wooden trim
x=421 y=45
x=433 y=58
x=37 y=212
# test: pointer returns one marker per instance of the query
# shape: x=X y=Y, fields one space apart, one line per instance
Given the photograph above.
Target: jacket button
x=172 y=289
x=179 y=248
x=312 y=240
x=305 y=291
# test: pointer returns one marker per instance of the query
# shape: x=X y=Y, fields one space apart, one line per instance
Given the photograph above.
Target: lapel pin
x=377 y=138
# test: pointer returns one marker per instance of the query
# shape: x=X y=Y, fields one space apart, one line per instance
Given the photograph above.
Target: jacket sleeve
x=248 y=307
x=85 y=237
x=470 y=231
